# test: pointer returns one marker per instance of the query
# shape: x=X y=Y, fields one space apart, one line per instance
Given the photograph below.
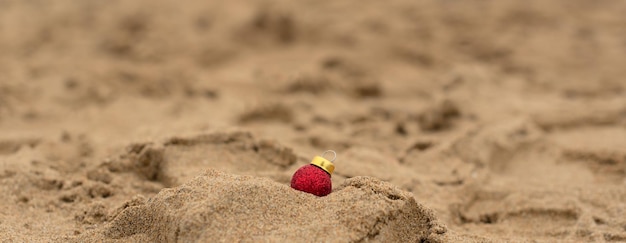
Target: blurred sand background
x=184 y=121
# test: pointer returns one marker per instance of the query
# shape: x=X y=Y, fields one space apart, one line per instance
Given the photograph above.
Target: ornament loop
x=332 y=160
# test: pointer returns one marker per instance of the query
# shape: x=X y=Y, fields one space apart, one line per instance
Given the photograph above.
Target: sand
x=453 y=121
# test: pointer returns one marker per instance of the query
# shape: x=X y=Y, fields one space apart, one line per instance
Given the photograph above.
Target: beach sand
x=453 y=121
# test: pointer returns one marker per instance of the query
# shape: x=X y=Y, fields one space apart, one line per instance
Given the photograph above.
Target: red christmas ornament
x=314 y=178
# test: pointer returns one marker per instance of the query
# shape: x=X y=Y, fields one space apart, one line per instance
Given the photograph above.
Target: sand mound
x=217 y=205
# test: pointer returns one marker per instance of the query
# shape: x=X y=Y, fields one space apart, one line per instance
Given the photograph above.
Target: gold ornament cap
x=325 y=164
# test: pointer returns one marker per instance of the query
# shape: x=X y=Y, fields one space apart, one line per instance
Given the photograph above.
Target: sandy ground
x=124 y=121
